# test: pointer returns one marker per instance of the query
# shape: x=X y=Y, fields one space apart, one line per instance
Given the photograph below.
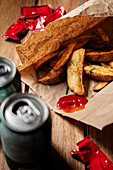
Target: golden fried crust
x=42 y=43
x=100 y=73
x=100 y=56
x=65 y=56
x=53 y=77
x=75 y=71
x=99 y=85
x=41 y=61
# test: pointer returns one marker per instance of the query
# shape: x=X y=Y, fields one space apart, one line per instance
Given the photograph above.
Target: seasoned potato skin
x=65 y=56
x=53 y=77
x=75 y=72
x=100 y=73
x=99 y=85
x=100 y=56
x=81 y=38
x=41 y=61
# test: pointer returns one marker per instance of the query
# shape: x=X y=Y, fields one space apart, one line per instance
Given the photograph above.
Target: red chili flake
x=16 y=29
x=35 y=11
x=92 y=156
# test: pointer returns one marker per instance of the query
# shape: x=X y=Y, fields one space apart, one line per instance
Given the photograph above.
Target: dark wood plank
x=9 y=13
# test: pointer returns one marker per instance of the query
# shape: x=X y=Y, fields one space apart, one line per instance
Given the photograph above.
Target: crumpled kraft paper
x=98 y=111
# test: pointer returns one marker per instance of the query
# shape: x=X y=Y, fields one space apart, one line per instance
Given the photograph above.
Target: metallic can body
x=10 y=80
x=26 y=148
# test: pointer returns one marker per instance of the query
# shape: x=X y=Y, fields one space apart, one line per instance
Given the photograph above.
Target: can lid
x=24 y=112
x=7 y=71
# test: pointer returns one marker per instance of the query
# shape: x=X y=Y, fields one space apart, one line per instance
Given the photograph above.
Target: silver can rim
x=2 y=107
x=8 y=60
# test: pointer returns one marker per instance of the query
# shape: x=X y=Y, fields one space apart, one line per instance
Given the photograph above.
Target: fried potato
x=55 y=60
x=78 y=45
x=41 y=61
x=75 y=71
x=80 y=38
x=111 y=64
x=53 y=77
x=101 y=34
x=100 y=73
x=81 y=43
x=64 y=58
x=101 y=41
x=99 y=85
x=96 y=44
x=100 y=56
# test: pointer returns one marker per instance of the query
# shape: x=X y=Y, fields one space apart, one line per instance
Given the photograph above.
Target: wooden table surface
x=65 y=132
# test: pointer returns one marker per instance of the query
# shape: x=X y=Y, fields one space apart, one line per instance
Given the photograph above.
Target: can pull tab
x=26 y=114
x=4 y=69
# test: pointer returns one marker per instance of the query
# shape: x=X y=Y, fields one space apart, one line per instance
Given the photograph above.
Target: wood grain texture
x=9 y=13
x=67 y=4
x=104 y=139
x=65 y=132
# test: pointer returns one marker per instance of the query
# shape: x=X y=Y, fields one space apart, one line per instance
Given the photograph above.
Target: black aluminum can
x=10 y=80
x=25 y=131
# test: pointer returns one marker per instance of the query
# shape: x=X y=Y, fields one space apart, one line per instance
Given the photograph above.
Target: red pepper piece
x=92 y=156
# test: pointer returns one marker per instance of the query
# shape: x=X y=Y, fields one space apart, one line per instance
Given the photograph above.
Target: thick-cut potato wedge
x=101 y=42
x=41 y=61
x=81 y=43
x=53 y=77
x=75 y=71
x=65 y=56
x=55 y=60
x=78 y=45
x=101 y=34
x=80 y=38
x=99 y=85
x=100 y=56
x=96 y=44
x=100 y=73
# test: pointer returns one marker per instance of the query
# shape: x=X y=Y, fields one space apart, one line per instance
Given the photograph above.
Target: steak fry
x=41 y=61
x=65 y=56
x=75 y=71
x=99 y=85
x=101 y=34
x=100 y=56
x=53 y=77
x=100 y=73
